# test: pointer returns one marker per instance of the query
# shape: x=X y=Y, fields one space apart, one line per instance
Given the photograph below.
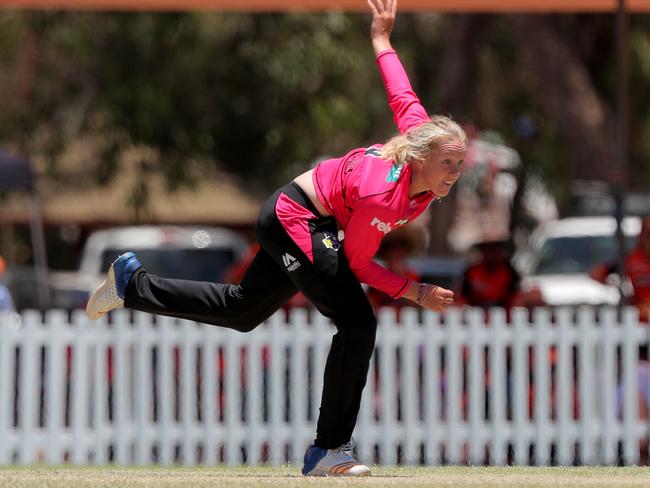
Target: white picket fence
x=458 y=388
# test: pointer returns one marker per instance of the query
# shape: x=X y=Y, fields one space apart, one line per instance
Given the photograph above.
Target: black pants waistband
x=298 y=195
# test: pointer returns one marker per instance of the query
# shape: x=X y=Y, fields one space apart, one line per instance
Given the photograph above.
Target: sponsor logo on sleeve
x=290 y=262
x=394 y=173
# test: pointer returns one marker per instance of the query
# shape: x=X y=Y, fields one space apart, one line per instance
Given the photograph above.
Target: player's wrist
x=423 y=292
x=417 y=292
x=381 y=44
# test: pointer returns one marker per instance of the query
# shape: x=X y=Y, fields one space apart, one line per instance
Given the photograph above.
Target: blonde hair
x=420 y=141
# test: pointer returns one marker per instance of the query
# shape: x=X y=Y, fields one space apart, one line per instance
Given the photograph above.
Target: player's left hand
x=383 y=18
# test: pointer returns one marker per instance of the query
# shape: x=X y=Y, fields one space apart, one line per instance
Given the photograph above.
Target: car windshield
x=187 y=264
x=566 y=255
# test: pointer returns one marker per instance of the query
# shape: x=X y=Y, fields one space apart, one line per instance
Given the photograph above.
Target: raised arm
x=408 y=111
x=383 y=21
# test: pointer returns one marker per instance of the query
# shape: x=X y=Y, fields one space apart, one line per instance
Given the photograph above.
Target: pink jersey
x=369 y=196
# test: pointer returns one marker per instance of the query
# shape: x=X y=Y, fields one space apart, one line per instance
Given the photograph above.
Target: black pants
x=271 y=280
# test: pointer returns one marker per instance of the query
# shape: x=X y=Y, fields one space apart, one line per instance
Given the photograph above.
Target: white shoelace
x=348 y=447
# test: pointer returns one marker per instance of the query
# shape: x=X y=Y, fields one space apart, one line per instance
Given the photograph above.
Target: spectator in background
x=6 y=302
x=643 y=392
x=491 y=281
x=394 y=253
x=637 y=270
x=487 y=196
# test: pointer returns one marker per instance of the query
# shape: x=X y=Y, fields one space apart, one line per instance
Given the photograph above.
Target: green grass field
x=116 y=477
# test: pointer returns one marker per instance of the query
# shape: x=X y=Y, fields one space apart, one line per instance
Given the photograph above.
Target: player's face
x=443 y=167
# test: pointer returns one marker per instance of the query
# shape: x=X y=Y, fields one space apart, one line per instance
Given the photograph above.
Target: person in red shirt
x=394 y=253
x=6 y=301
x=637 y=270
x=491 y=281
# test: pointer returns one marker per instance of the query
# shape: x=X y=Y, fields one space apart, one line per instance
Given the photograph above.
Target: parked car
x=561 y=254
x=445 y=271
x=193 y=253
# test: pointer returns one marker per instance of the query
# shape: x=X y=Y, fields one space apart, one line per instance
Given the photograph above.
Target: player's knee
x=362 y=334
x=246 y=325
x=247 y=319
x=244 y=321
x=367 y=340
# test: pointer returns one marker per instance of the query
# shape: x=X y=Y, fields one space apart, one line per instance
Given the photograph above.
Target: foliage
x=264 y=96
x=255 y=94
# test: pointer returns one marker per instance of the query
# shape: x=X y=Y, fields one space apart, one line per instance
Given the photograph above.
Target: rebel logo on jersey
x=381 y=226
x=386 y=227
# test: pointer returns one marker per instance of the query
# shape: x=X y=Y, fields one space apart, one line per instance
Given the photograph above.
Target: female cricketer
x=318 y=234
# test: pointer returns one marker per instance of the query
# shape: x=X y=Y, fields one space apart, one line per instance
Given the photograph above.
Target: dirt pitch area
x=117 y=477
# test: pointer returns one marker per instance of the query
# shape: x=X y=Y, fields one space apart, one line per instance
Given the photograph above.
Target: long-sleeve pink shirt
x=369 y=196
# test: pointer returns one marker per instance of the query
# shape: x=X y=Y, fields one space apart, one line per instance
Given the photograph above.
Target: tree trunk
x=457 y=78
x=456 y=84
x=568 y=96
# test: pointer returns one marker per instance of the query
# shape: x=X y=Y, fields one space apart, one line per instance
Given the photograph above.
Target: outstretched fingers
x=377 y=6
x=391 y=7
x=381 y=26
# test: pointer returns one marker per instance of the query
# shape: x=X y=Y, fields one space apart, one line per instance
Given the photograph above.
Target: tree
x=265 y=95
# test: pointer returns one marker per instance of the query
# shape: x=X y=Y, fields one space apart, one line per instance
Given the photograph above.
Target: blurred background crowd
x=129 y=119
